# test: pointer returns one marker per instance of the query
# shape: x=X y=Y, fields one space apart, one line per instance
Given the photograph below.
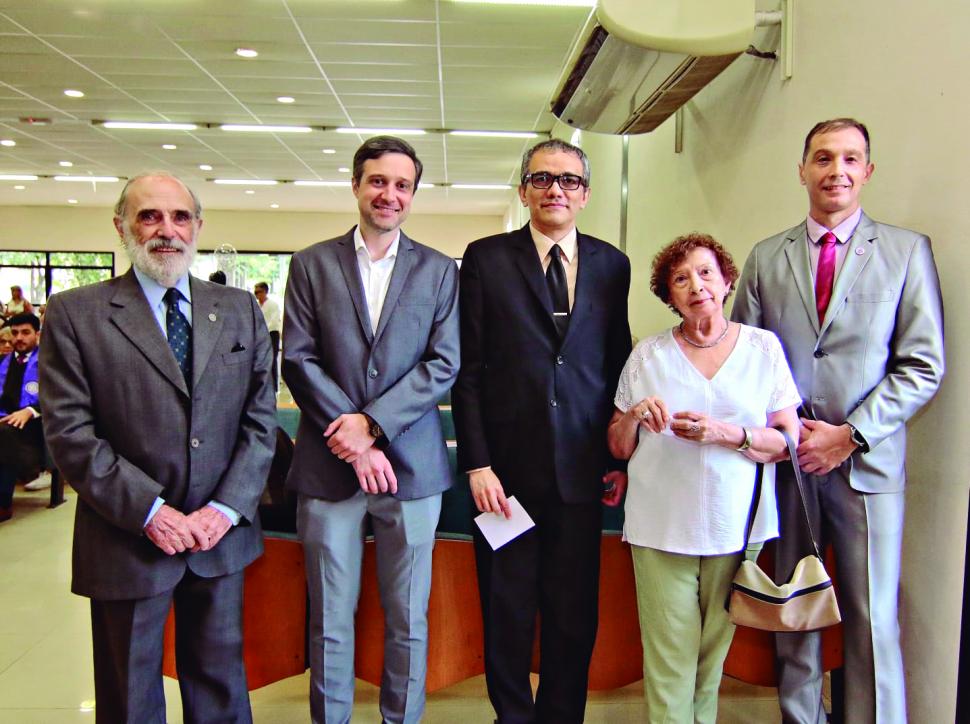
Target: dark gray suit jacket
x=123 y=428
x=334 y=364
x=878 y=356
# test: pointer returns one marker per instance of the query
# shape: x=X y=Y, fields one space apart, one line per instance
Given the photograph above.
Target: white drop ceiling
x=368 y=63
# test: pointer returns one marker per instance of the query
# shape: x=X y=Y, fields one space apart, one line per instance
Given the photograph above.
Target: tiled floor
x=45 y=649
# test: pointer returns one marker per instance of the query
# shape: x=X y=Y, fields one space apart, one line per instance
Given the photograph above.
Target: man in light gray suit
x=159 y=409
x=857 y=307
x=370 y=345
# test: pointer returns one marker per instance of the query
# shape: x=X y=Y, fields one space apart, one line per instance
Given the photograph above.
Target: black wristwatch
x=375 y=430
x=857 y=438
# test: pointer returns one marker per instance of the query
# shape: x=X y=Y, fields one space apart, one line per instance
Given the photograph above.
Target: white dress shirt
x=375 y=275
x=570 y=256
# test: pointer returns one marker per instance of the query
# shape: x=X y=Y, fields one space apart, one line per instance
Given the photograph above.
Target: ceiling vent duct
x=638 y=61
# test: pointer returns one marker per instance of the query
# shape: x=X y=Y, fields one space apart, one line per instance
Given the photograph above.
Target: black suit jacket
x=534 y=408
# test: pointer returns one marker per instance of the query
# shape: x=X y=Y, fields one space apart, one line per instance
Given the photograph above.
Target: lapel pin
x=859 y=251
x=212 y=316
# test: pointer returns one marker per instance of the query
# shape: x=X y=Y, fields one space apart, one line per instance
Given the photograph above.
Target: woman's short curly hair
x=676 y=251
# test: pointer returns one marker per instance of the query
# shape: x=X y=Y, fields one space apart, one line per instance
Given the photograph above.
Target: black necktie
x=179 y=334
x=558 y=291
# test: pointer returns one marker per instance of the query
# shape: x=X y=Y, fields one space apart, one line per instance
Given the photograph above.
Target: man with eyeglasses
x=544 y=336
x=159 y=409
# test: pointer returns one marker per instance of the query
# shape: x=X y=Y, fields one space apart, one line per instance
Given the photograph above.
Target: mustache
x=165 y=243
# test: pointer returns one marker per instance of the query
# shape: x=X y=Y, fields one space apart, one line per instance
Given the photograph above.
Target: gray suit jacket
x=124 y=429
x=878 y=356
x=334 y=364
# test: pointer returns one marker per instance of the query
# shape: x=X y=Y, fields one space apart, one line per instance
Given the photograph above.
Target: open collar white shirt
x=375 y=276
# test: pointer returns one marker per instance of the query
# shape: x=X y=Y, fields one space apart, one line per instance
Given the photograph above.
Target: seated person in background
x=17 y=304
x=21 y=435
x=6 y=341
x=695 y=408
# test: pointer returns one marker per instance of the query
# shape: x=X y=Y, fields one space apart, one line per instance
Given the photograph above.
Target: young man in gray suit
x=370 y=345
x=159 y=409
x=857 y=307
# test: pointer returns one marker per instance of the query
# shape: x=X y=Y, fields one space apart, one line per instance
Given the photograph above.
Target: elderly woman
x=696 y=409
x=17 y=304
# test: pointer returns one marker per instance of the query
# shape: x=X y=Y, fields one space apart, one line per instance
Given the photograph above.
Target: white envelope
x=499 y=530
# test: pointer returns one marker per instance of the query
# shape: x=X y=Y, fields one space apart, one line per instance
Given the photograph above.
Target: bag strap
x=756 y=495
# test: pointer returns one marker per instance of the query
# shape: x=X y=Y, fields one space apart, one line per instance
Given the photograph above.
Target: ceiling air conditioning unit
x=638 y=61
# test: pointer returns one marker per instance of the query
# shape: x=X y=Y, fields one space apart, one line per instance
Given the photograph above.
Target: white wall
x=899 y=67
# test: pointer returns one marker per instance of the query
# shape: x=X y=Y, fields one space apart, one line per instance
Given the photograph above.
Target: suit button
x=553 y=403
x=560 y=359
x=819 y=354
x=195 y=442
x=372 y=373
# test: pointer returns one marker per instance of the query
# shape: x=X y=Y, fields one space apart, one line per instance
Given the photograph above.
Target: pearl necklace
x=716 y=342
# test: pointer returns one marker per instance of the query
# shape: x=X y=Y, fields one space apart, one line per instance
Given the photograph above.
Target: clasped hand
x=174 y=532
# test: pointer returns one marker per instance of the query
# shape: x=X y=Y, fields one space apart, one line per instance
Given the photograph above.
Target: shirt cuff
x=478 y=470
x=231 y=514
x=33 y=411
x=151 y=513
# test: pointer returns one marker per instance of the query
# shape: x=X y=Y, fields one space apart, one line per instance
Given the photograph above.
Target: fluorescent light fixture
x=330 y=151
x=495 y=134
x=246 y=52
x=72 y=201
x=286 y=99
x=245 y=181
x=343 y=169
x=423 y=185
x=145 y=126
x=8 y=142
x=91 y=179
x=482 y=187
x=19 y=187
x=65 y=164
x=71 y=93
x=322 y=183
x=18 y=177
x=169 y=146
x=205 y=167
x=559 y=3
x=384 y=131
x=250 y=192
x=243 y=128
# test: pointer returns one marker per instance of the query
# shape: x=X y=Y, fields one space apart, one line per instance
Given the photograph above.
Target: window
x=245 y=269
x=42 y=273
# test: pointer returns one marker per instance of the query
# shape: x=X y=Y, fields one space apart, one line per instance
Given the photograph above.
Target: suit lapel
x=861 y=248
x=527 y=260
x=586 y=276
x=206 y=326
x=399 y=277
x=801 y=268
x=132 y=316
x=348 y=265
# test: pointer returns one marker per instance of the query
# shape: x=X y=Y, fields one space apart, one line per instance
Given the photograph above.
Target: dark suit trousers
x=208 y=651
x=552 y=569
x=21 y=455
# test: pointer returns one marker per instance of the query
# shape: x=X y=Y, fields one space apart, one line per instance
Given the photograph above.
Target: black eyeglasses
x=545 y=180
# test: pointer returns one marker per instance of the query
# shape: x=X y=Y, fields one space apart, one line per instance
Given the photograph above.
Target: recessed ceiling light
x=329 y=151
x=245 y=128
x=274 y=206
x=65 y=164
x=482 y=187
x=205 y=167
x=250 y=192
x=384 y=131
x=286 y=99
x=72 y=201
x=71 y=93
x=344 y=169
x=169 y=146
x=246 y=52
x=9 y=143
x=147 y=126
x=18 y=177
x=19 y=187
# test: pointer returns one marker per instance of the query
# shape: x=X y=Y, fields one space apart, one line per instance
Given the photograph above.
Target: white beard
x=165 y=269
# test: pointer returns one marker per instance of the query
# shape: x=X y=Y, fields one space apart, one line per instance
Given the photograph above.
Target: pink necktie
x=825 y=274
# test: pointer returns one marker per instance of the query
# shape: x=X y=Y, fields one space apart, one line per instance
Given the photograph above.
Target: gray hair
x=120 y=206
x=551 y=145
